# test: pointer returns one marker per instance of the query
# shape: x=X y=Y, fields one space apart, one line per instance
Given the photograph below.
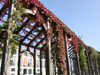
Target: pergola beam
x=35 y=37
x=71 y=55
x=45 y=27
x=28 y=11
x=29 y=32
x=24 y=24
x=71 y=52
x=39 y=42
x=70 y=49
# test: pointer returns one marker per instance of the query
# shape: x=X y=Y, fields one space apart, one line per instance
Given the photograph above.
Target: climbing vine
x=12 y=24
x=94 y=58
x=82 y=57
x=60 y=49
x=75 y=43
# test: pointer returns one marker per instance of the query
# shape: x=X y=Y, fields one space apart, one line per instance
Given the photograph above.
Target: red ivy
x=75 y=43
x=42 y=10
x=60 y=50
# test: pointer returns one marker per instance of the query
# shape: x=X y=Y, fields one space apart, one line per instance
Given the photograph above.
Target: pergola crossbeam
x=24 y=24
x=29 y=33
x=39 y=42
x=35 y=37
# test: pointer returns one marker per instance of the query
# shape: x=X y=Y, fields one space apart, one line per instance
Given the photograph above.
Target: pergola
x=41 y=26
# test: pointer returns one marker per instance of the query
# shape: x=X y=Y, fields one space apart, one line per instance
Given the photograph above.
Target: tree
x=9 y=38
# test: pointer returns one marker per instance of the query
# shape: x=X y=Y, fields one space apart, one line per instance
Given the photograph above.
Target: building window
x=38 y=63
x=29 y=71
x=12 y=69
x=38 y=56
x=13 y=60
x=29 y=61
x=25 y=54
x=24 y=71
x=24 y=61
x=12 y=74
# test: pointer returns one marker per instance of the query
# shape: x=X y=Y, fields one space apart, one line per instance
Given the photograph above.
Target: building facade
x=27 y=64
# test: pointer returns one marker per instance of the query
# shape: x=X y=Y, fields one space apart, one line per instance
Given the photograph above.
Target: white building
x=27 y=64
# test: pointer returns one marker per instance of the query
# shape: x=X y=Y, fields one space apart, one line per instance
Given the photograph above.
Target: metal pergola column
x=78 y=64
x=6 y=50
x=34 y=61
x=40 y=62
x=54 y=67
x=67 y=55
x=48 y=54
x=92 y=65
x=75 y=66
x=95 y=67
x=19 y=56
x=88 y=64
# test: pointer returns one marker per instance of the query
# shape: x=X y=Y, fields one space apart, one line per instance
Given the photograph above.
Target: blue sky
x=81 y=16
